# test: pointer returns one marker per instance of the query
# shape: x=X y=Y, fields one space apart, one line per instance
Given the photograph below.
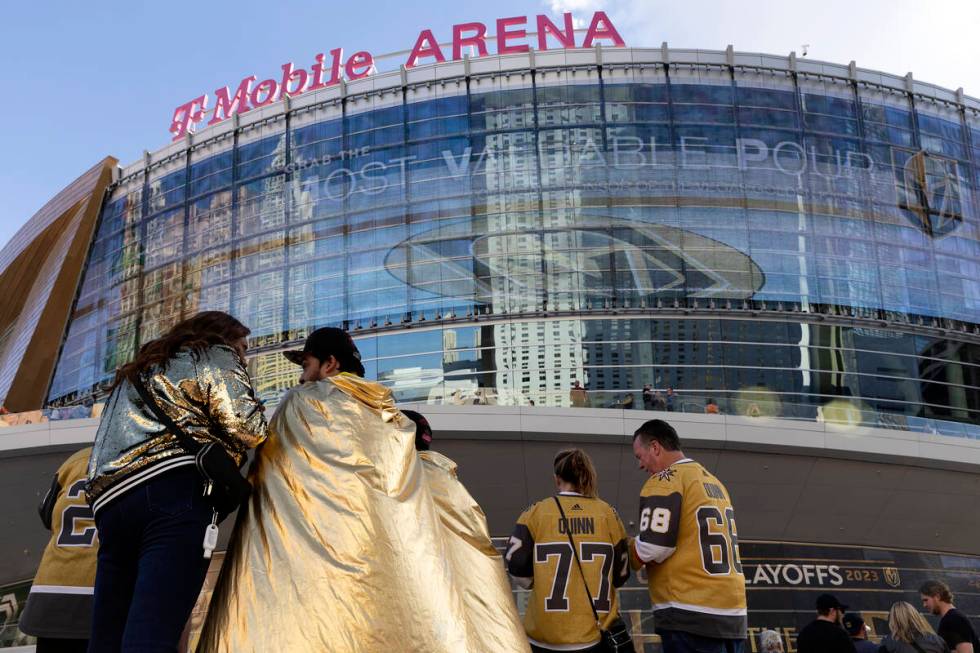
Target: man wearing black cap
x=826 y=634
x=858 y=632
x=328 y=351
x=351 y=531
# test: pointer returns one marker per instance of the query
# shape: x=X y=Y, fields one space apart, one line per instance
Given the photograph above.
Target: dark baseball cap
x=853 y=623
x=829 y=601
x=423 y=432
x=326 y=342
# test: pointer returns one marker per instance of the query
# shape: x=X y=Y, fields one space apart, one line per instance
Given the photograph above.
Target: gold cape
x=344 y=546
x=477 y=566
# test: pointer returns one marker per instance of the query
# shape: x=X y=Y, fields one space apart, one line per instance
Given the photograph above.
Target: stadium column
x=57 y=290
x=188 y=142
x=406 y=195
x=603 y=126
x=98 y=344
x=287 y=214
x=971 y=153
x=233 y=237
x=345 y=206
x=866 y=189
x=141 y=239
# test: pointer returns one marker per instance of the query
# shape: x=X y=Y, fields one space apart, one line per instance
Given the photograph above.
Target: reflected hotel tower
x=798 y=241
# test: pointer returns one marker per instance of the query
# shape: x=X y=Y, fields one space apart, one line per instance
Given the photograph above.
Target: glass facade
x=779 y=242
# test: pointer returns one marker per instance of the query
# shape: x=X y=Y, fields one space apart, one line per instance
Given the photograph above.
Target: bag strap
x=186 y=441
x=571 y=543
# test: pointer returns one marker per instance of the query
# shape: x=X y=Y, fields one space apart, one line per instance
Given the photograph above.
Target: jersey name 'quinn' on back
x=558 y=613
x=687 y=527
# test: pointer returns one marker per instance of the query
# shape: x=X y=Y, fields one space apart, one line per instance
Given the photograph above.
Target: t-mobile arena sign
x=511 y=36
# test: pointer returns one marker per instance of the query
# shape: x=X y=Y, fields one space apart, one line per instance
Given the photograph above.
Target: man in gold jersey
x=689 y=544
x=59 y=605
x=539 y=556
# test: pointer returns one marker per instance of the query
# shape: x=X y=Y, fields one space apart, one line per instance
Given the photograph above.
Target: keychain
x=211 y=536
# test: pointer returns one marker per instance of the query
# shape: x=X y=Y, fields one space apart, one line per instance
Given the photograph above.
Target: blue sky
x=88 y=79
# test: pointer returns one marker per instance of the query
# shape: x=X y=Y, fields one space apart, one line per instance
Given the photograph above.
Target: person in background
x=696 y=585
x=910 y=632
x=647 y=397
x=770 y=642
x=144 y=487
x=659 y=402
x=711 y=408
x=471 y=550
x=627 y=402
x=825 y=634
x=578 y=395
x=540 y=557
x=670 y=399
x=423 y=432
x=954 y=627
x=59 y=606
x=858 y=632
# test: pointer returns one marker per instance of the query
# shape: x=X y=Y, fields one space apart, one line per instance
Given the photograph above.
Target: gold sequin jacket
x=208 y=394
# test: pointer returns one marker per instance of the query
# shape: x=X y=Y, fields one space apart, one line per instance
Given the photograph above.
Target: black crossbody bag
x=224 y=486
x=615 y=639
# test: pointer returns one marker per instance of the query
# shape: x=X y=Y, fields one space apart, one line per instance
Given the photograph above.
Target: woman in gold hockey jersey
x=540 y=556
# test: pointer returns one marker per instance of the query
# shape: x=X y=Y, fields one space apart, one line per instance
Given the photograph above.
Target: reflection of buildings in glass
x=610 y=359
x=534 y=360
x=456 y=382
x=259 y=299
x=272 y=375
x=538 y=360
x=951 y=377
x=706 y=211
x=416 y=383
x=449 y=343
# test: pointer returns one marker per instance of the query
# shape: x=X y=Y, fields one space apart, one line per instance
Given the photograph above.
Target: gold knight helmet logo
x=891 y=576
x=929 y=189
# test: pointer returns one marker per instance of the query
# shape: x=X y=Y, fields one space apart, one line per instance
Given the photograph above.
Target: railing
x=755 y=403
x=50 y=415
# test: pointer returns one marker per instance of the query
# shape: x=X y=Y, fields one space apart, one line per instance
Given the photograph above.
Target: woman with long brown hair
x=570 y=549
x=910 y=632
x=143 y=485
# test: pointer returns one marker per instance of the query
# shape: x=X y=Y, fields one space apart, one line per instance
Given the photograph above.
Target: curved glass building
x=573 y=230
x=785 y=237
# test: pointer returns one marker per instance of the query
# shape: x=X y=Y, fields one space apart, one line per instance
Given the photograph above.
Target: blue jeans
x=675 y=641
x=151 y=564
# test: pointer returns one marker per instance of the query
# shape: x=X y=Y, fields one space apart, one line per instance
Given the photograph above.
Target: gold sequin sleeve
x=232 y=404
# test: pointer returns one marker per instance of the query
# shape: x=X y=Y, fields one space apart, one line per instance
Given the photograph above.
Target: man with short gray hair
x=689 y=545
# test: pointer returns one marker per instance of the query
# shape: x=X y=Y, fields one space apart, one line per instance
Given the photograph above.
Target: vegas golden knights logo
x=891 y=576
x=929 y=188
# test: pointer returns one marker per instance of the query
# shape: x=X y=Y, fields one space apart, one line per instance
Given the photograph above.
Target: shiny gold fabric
x=208 y=394
x=344 y=548
x=487 y=597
